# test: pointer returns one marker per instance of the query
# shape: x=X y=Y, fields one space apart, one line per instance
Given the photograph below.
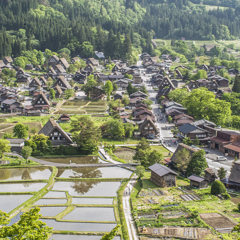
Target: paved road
x=166 y=135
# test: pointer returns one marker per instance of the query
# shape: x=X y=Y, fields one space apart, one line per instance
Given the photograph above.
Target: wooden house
x=138 y=94
x=16 y=144
x=53 y=60
x=191 y=131
x=55 y=133
x=234 y=180
x=41 y=102
x=51 y=71
x=192 y=85
x=134 y=101
x=64 y=118
x=63 y=62
x=62 y=83
x=94 y=62
x=43 y=81
x=122 y=84
x=148 y=128
x=8 y=60
x=210 y=176
x=97 y=93
x=2 y=64
x=223 y=82
x=59 y=92
x=89 y=68
x=38 y=68
x=59 y=69
x=80 y=77
x=75 y=59
x=165 y=87
x=118 y=96
x=35 y=83
x=198 y=182
x=11 y=106
x=175 y=82
x=163 y=176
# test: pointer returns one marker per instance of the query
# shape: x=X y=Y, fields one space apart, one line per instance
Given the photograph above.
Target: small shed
x=198 y=182
x=162 y=175
x=16 y=144
x=210 y=176
x=64 y=118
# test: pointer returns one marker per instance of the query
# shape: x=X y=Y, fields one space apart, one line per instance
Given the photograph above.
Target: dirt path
x=127 y=209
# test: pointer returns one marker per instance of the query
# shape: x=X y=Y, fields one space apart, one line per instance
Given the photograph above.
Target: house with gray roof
x=197 y=181
x=162 y=175
x=62 y=83
x=55 y=133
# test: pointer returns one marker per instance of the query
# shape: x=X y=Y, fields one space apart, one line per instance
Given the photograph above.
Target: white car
x=221 y=158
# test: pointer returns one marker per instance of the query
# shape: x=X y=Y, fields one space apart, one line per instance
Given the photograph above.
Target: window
x=201 y=135
x=146 y=128
x=55 y=133
x=193 y=85
x=151 y=128
x=38 y=101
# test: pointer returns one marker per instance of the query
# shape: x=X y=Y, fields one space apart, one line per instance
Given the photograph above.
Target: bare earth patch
x=125 y=153
x=217 y=220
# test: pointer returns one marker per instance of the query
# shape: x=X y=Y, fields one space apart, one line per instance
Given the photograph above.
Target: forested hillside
x=84 y=25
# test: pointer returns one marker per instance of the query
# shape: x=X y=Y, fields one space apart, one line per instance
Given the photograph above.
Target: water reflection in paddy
x=90 y=172
x=50 y=201
x=80 y=227
x=98 y=214
x=88 y=201
x=77 y=160
x=55 y=195
x=21 y=187
x=9 y=202
x=88 y=188
x=77 y=237
x=51 y=211
x=25 y=173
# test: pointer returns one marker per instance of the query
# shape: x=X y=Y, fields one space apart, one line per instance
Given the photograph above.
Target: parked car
x=221 y=158
x=207 y=152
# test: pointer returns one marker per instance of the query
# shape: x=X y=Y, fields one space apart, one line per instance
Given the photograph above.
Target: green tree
x=218 y=188
x=72 y=68
x=222 y=173
x=178 y=95
x=197 y=164
x=169 y=119
x=108 y=88
x=115 y=128
x=129 y=76
x=140 y=170
x=125 y=100
x=28 y=227
x=20 y=131
x=69 y=93
x=85 y=134
x=154 y=157
x=87 y=49
x=201 y=74
x=91 y=84
x=111 y=235
x=196 y=141
x=52 y=93
x=187 y=141
x=4 y=147
x=183 y=158
x=215 y=51
x=129 y=128
x=131 y=89
x=236 y=85
x=26 y=152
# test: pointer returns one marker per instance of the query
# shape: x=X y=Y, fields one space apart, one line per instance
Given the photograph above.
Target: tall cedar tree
x=236 y=85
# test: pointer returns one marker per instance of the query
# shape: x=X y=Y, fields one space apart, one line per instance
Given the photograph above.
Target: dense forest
x=110 y=25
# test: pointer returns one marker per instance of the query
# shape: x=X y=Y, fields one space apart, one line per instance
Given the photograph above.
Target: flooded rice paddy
x=95 y=214
x=76 y=160
x=9 y=202
x=55 y=195
x=90 y=201
x=51 y=211
x=50 y=201
x=90 y=172
x=79 y=227
x=34 y=173
x=77 y=237
x=88 y=188
x=21 y=187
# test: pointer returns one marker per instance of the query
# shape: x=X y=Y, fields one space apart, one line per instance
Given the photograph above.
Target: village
x=120 y=135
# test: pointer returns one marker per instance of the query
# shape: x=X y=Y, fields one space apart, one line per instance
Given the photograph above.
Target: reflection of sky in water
x=98 y=214
x=50 y=201
x=9 y=202
x=77 y=160
x=77 y=237
x=81 y=227
x=88 y=188
x=21 y=187
x=24 y=173
x=51 y=211
x=86 y=201
x=103 y=172
x=55 y=195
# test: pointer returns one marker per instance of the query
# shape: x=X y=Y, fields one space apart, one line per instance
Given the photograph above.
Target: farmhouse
x=55 y=133
x=148 y=128
x=198 y=182
x=162 y=175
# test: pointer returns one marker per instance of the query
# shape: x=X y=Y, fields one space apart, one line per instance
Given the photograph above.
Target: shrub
x=239 y=207
x=226 y=196
x=218 y=188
